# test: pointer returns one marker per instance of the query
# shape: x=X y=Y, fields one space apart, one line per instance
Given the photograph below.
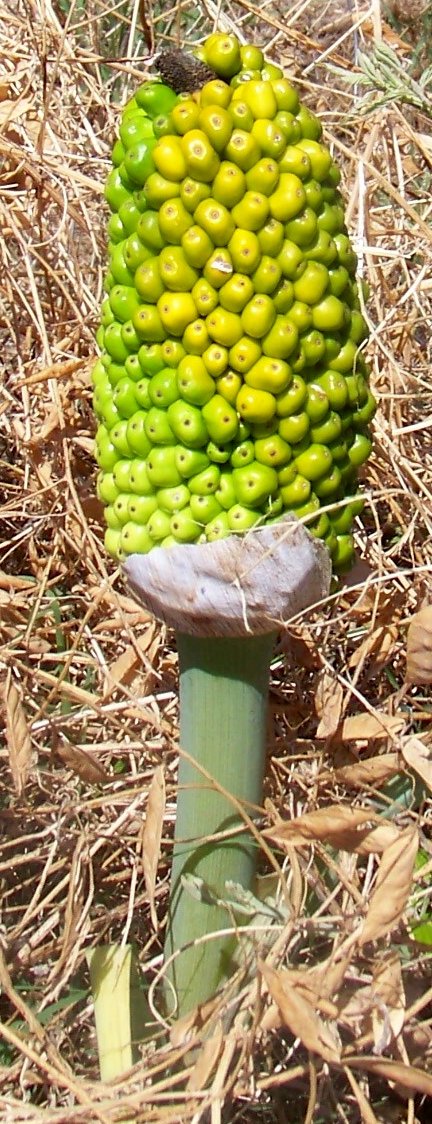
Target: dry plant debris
x=332 y=1006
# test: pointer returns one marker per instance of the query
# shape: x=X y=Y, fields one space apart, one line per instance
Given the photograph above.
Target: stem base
x=223 y=722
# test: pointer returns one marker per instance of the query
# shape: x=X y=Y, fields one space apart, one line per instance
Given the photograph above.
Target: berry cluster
x=230 y=387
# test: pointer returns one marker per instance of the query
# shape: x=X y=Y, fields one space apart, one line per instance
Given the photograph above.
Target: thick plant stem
x=110 y=970
x=223 y=721
x=118 y=1005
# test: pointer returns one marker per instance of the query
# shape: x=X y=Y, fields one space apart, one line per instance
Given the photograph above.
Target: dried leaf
x=302 y=649
x=122 y=669
x=388 y=992
x=300 y=1016
x=88 y=768
x=184 y=1028
x=419 y=758
x=11 y=581
x=365 y=727
x=151 y=837
x=17 y=736
x=392 y=886
x=375 y=771
x=424 y=139
x=51 y=422
x=411 y=1078
x=69 y=690
x=355 y=1009
x=271 y=1018
x=12 y=110
x=350 y=829
x=328 y=704
x=309 y=984
x=378 y=643
x=419 y=647
x=319 y=984
x=206 y=1060
x=418 y=1041
x=331 y=972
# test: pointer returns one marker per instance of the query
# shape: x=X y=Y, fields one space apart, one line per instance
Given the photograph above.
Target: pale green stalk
x=223 y=722
x=118 y=1008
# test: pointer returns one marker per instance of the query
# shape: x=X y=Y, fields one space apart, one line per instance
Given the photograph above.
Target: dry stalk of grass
x=88 y=680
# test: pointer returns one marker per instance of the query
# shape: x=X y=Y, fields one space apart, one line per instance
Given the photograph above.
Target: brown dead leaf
x=392 y=886
x=123 y=668
x=300 y=1016
x=52 y=421
x=206 y=1060
x=185 y=1028
x=350 y=829
x=388 y=33
x=418 y=1042
x=331 y=973
x=11 y=581
x=151 y=837
x=419 y=758
x=413 y=1079
x=328 y=704
x=388 y=1014
x=88 y=768
x=17 y=736
x=309 y=986
x=271 y=1018
x=378 y=643
x=367 y=727
x=319 y=984
x=12 y=110
x=419 y=648
x=375 y=771
x=69 y=690
x=302 y=649
x=130 y=610
x=355 y=1009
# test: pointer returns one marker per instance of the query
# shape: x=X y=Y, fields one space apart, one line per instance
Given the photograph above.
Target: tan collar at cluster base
x=242 y=585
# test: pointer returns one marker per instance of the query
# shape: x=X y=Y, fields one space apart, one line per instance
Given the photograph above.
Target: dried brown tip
x=182 y=72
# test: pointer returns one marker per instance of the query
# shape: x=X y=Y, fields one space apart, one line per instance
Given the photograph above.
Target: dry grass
x=89 y=680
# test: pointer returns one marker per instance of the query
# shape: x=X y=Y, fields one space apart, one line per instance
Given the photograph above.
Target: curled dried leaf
x=408 y=1076
x=86 y=767
x=375 y=771
x=419 y=647
x=206 y=1060
x=392 y=886
x=151 y=837
x=419 y=758
x=301 y=1017
x=368 y=727
x=350 y=829
x=388 y=991
x=328 y=704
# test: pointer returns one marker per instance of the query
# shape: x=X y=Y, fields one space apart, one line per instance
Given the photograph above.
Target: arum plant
x=225 y=600
x=233 y=405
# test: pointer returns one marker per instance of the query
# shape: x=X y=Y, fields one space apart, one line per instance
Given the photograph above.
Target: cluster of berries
x=230 y=388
